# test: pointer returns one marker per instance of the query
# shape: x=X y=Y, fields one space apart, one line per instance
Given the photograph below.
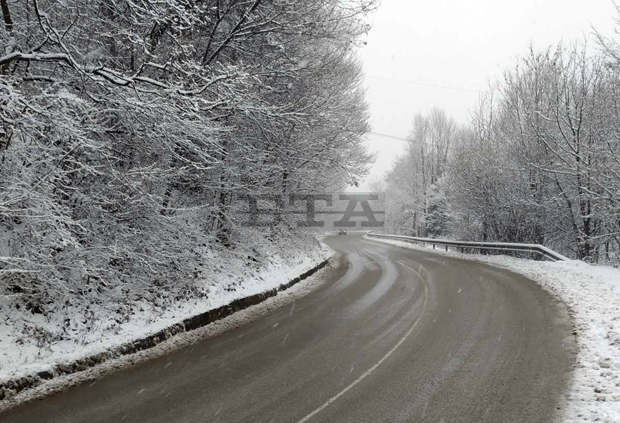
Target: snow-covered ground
x=226 y=277
x=593 y=295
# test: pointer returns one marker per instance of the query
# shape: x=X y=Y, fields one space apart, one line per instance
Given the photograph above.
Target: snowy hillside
x=78 y=325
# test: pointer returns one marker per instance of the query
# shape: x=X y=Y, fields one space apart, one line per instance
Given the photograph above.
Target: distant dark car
x=342 y=232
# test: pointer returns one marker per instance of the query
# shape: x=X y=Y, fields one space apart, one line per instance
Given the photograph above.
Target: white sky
x=443 y=53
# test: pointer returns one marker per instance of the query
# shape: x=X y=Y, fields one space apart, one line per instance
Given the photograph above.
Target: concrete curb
x=12 y=387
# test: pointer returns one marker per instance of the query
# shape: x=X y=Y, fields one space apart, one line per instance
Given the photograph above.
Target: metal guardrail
x=462 y=245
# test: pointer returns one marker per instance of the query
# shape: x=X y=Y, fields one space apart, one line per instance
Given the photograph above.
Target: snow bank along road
x=394 y=335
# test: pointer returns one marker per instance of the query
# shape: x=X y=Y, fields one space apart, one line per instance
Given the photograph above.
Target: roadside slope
x=27 y=360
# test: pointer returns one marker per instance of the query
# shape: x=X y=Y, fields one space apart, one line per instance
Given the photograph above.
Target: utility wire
x=394 y=137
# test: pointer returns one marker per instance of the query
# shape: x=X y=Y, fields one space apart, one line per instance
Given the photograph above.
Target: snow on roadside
x=593 y=294
x=21 y=354
x=179 y=341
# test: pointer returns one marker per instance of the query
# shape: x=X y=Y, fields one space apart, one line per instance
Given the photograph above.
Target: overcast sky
x=442 y=53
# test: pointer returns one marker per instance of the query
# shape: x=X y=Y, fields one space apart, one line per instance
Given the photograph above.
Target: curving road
x=393 y=336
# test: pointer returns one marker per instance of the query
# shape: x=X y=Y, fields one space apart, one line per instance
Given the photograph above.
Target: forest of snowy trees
x=539 y=163
x=128 y=126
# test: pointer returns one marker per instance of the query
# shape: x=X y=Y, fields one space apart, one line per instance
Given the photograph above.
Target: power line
x=394 y=137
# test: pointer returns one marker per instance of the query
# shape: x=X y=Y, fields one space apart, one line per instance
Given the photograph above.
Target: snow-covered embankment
x=34 y=344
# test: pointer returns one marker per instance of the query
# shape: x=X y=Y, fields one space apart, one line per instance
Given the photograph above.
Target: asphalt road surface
x=394 y=335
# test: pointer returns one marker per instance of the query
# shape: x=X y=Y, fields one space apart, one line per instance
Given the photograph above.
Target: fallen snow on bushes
x=593 y=295
x=32 y=342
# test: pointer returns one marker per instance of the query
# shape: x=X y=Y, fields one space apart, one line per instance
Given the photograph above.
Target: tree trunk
x=6 y=14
